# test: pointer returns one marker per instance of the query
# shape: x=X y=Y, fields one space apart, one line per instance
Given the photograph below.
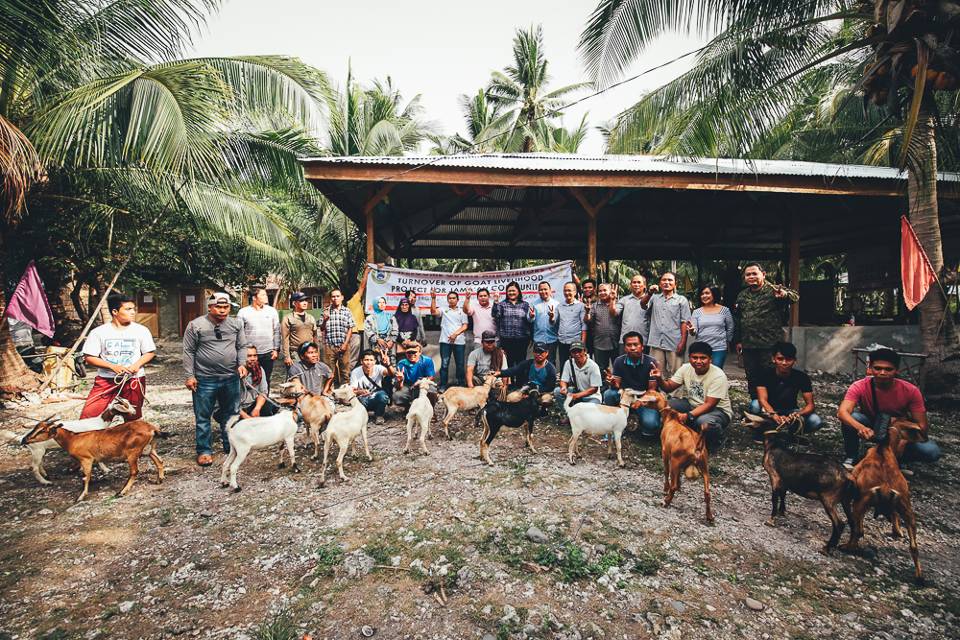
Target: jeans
x=559 y=398
x=224 y=393
x=712 y=424
x=719 y=358
x=603 y=358
x=515 y=349
x=457 y=350
x=266 y=363
x=649 y=418
x=927 y=451
x=754 y=362
x=811 y=422
x=376 y=402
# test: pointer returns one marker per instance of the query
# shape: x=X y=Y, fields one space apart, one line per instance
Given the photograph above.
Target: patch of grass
x=280 y=626
x=329 y=557
x=56 y=634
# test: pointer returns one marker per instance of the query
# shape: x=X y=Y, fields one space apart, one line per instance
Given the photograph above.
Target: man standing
x=119 y=350
x=580 y=378
x=337 y=328
x=315 y=376
x=254 y=390
x=297 y=327
x=261 y=325
x=214 y=349
x=759 y=321
x=453 y=326
x=355 y=305
x=778 y=388
x=669 y=314
x=545 y=319
x=637 y=371
x=633 y=317
x=869 y=404
x=706 y=402
x=602 y=319
x=588 y=295
x=481 y=313
x=571 y=322
x=489 y=357
x=367 y=382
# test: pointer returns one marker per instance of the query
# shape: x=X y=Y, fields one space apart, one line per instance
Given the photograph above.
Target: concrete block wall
x=829 y=348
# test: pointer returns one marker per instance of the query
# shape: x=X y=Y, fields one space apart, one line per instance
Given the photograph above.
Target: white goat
x=598 y=419
x=421 y=413
x=344 y=427
x=118 y=407
x=258 y=433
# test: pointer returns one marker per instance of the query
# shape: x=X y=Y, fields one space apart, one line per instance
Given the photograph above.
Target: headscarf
x=381 y=315
x=406 y=321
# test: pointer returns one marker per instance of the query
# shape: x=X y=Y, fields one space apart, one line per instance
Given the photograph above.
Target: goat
x=316 y=411
x=421 y=413
x=119 y=407
x=880 y=484
x=463 y=399
x=126 y=441
x=259 y=433
x=683 y=448
x=598 y=419
x=809 y=475
x=497 y=413
x=344 y=427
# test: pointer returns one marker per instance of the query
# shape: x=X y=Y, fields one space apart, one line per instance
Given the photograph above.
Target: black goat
x=809 y=475
x=497 y=413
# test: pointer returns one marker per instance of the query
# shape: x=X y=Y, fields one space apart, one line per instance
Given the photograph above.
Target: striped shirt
x=716 y=329
x=336 y=327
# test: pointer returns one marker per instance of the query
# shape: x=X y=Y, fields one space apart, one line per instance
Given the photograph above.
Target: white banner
x=391 y=283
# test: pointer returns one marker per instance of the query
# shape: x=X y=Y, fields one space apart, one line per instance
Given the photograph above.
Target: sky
x=439 y=49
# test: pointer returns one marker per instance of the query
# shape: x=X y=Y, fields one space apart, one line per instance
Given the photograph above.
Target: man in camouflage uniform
x=759 y=321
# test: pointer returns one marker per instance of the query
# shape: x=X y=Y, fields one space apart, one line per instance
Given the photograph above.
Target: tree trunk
x=940 y=377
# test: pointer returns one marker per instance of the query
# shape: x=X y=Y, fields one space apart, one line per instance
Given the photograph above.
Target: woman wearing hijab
x=380 y=331
x=409 y=324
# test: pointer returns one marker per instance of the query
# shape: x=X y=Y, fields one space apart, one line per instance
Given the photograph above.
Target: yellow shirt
x=355 y=305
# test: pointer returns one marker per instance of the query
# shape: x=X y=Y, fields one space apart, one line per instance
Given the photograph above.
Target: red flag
x=915 y=268
x=29 y=302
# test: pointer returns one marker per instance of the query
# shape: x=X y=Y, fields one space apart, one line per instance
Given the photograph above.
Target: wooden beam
x=592 y=211
x=794 y=267
x=368 y=208
x=817 y=185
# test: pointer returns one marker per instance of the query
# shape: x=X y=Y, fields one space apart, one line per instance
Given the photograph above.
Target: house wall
x=829 y=348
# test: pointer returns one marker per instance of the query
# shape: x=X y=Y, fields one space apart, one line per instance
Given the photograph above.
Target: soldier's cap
x=297 y=296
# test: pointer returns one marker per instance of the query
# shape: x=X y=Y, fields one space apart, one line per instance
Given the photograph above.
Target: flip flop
x=204 y=460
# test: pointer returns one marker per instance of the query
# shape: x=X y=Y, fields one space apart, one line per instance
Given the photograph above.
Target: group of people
x=586 y=347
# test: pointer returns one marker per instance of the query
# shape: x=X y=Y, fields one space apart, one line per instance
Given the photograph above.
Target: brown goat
x=316 y=411
x=880 y=484
x=126 y=441
x=684 y=450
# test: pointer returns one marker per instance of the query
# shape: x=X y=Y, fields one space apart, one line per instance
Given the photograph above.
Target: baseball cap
x=577 y=346
x=297 y=296
x=540 y=347
x=488 y=336
x=218 y=298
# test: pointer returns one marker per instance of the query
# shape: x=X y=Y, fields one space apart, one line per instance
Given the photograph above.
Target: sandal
x=204 y=459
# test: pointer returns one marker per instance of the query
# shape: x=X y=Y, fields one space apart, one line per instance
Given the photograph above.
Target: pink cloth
x=903 y=397
x=29 y=303
x=482 y=318
x=915 y=270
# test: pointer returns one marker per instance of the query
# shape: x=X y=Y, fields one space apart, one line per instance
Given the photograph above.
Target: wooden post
x=368 y=208
x=794 y=268
x=593 y=212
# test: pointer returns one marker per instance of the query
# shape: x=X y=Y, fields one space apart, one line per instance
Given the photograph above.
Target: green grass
x=280 y=626
x=330 y=555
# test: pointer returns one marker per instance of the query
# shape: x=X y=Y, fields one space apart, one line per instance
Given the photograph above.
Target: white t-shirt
x=359 y=381
x=582 y=378
x=450 y=321
x=119 y=346
x=712 y=384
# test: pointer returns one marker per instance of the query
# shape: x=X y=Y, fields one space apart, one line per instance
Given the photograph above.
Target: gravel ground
x=445 y=547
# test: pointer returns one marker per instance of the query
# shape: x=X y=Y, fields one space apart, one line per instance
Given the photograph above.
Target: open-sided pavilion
x=592 y=208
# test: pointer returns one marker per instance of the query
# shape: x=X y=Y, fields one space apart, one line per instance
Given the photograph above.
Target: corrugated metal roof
x=624 y=163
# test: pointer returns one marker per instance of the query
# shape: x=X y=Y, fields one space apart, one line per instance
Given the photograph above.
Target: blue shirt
x=545 y=330
x=422 y=368
x=633 y=374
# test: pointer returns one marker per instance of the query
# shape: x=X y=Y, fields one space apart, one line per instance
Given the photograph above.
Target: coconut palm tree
x=755 y=70
x=520 y=90
x=551 y=138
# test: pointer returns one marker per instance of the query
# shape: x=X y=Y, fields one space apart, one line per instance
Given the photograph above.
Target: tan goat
x=316 y=411
x=457 y=399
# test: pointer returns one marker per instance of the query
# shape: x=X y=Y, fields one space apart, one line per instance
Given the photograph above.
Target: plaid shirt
x=336 y=327
x=512 y=318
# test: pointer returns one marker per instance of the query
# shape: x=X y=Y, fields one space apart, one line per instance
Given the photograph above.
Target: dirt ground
x=442 y=546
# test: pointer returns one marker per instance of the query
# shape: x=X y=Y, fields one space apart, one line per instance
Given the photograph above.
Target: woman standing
x=514 y=317
x=380 y=329
x=409 y=326
x=713 y=323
